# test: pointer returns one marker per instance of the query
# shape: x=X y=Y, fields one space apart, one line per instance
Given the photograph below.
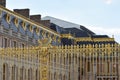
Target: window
x=55 y=58
x=55 y=75
x=21 y=73
x=30 y=74
x=88 y=66
x=14 y=44
x=37 y=75
x=8 y=18
x=5 y=73
x=13 y=73
x=23 y=45
x=64 y=77
x=5 y=42
x=25 y=76
x=16 y=74
x=16 y=22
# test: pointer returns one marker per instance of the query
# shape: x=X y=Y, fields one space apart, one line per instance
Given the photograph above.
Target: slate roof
x=65 y=27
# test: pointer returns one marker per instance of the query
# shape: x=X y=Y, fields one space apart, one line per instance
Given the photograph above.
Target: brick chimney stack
x=36 y=18
x=45 y=23
x=24 y=12
x=3 y=3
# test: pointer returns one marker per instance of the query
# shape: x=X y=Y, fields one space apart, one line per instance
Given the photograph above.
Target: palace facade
x=35 y=48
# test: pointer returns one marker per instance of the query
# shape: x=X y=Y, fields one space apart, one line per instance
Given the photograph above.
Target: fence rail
x=78 y=62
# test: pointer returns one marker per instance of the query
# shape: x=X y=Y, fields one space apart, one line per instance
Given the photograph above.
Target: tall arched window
x=5 y=71
x=13 y=72
x=16 y=74
x=25 y=76
x=51 y=76
x=22 y=73
x=64 y=77
x=55 y=76
x=37 y=74
x=30 y=74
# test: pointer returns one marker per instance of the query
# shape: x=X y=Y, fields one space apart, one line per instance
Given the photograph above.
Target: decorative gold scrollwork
x=53 y=37
x=59 y=40
x=45 y=42
x=43 y=32
x=24 y=25
x=16 y=22
x=37 y=30
x=8 y=18
x=47 y=35
x=31 y=28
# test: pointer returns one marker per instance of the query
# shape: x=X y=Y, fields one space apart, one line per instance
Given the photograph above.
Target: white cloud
x=108 y=1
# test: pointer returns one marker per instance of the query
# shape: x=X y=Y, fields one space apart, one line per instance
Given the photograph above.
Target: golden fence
x=75 y=62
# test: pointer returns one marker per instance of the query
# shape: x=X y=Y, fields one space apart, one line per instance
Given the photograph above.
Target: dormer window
x=16 y=21
x=31 y=28
x=8 y=18
x=24 y=25
x=37 y=30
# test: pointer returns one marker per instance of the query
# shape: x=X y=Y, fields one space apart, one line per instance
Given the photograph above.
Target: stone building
x=35 y=48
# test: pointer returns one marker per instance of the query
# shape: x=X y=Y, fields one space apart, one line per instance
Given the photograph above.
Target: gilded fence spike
x=71 y=47
x=77 y=46
x=84 y=46
x=74 y=46
x=65 y=46
x=96 y=45
x=66 y=56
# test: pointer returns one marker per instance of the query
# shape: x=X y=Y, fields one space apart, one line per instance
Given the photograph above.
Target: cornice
x=93 y=39
x=29 y=21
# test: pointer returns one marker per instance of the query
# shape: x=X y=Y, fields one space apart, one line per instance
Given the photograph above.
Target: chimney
x=45 y=23
x=24 y=12
x=36 y=18
x=3 y=3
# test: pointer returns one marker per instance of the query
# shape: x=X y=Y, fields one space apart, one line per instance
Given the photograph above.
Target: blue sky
x=100 y=16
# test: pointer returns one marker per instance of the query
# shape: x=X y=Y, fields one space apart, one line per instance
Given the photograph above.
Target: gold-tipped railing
x=84 y=61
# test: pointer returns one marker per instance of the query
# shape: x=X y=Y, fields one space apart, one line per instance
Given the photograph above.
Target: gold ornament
x=31 y=28
x=24 y=25
x=16 y=21
x=37 y=30
x=8 y=18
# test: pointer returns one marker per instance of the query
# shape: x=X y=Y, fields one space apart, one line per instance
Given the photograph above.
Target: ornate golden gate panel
x=79 y=62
